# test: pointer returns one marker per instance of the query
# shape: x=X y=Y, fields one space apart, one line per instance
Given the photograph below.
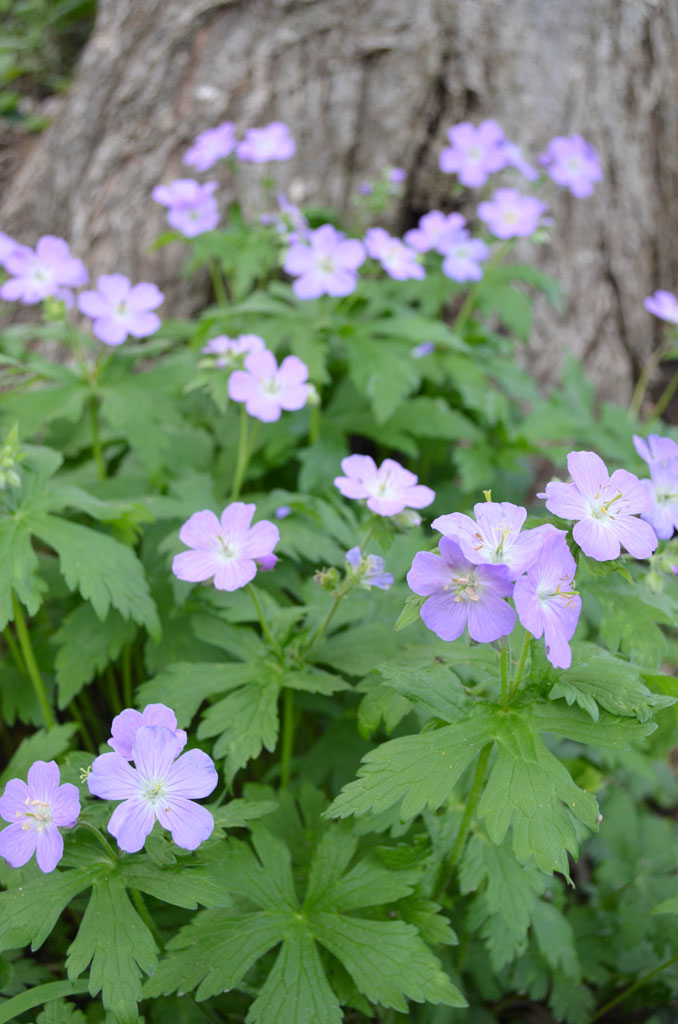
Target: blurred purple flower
x=118 y=309
x=225 y=549
x=463 y=259
x=50 y=270
x=662 y=492
x=267 y=389
x=437 y=231
x=211 y=145
x=228 y=351
x=510 y=215
x=398 y=260
x=388 y=490
x=474 y=153
x=368 y=570
x=460 y=593
x=192 y=207
x=325 y=263
x=36 y=812
x=515 y=158
x=664 y=305
x=282 y=512
x=571 y=162
x=7 y=246
x=495 y=536
x=397 y=175
x=126 y=725
x=162 y=786
x=424 y=349
x=655 y=448
x=272 y=142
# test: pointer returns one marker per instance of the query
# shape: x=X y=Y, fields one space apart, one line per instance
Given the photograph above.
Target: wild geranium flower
x=662 y=493
x=119 y=309
x=36 y=811
x=461 y=594
x=510 y=215
x=397 y=175
x=228 y=351
x=546 y=600
x=437 y=231
x=368 y=570
x=210 y=146
x=662 y=304
x=464 y=258
x=474 y=153
x=605 y=507
x=325 y=263
x=389 y=489
x=572 y=162
x=266 y=388
x=50 y=270
x=161 y=786
x=126 y=725
x=495 y=536
x=227 y=549
x=192 y=208
x=272 y=142
x=655 y=449
x=398 y=260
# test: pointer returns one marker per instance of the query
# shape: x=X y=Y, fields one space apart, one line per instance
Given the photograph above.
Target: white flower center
x=600 y=509
x=153 y=791
x=270 y=385
x=229 y=549
x=37 y=818
x=465 y=587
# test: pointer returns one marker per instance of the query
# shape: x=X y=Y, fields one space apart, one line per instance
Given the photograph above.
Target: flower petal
x=112 y=778
x=65 y=805
x=195 y=566
x=49 y=848
x=14 y=799
x=130 y=823
x=189 y=823
x=201 y=530
x=192 y=775
x=154 y=751
x=43 y=780
x=17 y=844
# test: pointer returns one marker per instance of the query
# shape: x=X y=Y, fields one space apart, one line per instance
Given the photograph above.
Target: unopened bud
x=406 y=519
x=328 y=579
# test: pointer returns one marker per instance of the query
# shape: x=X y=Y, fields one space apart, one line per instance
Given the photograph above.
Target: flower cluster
x=192 y=207
x=259 y=145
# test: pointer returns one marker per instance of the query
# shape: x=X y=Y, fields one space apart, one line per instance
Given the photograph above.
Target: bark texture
x=363 y=84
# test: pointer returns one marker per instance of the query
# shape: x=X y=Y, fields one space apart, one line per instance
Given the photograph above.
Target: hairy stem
x=320 y=631
x=30 y=662
x=524 y=651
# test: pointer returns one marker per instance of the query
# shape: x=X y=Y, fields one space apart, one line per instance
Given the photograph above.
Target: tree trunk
x=369 y=84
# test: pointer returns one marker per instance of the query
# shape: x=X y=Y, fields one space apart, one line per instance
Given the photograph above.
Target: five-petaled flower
x=229 y=351
x=474 y=153
x=398 y=260
x=211 y=145
x=272 y=142
x=36 y=811
x=266 y=388
x=162 y=786
x=389 y=489
x=495 y=536
x=325 y=263
x=192 y=207
x=50 y=270
x=119 y=309
x=572 y=162
x=226 y=549
x=510 y=215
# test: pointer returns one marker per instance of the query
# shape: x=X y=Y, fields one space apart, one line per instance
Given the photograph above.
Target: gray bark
x=369 y=84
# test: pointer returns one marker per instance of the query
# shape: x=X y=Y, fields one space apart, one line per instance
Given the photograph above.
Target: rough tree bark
x=363 y=84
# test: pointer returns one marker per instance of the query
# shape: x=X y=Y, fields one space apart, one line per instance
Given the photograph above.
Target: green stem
x=469 y=302
x=84 y=731
x=127 y=675
x=314 y=428
x=504 y=665
x=13 y=649
x=218 y=284
x=242 y=457
x=524 y=651
x=666 y=396
x=366 y=539
x=287 y=736
x=641 y=387
x=96 y=440
x=631 y=989
x=113 y=694
x=30 y=662
x=320 y=631
x=142 y=910
x=101 y=838
x=264 y=625
x=449 y=864
x=38 y=996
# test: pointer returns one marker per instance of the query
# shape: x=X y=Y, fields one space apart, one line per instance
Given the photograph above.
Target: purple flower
x=36 y=812
x=460 y=593
x=366 y=188
x=509 y=215
x=289 y=221
x=126 y=725
x=397 y=175
x=515 y=158
x=661 y=304
x=424 y=349
x=368 y=570
x=273 y=142
x=662 y=493
x=161 y=786
x=398 y=260
x=282 y=512
x=229 y=350
x=389 y=489
x=226 y=550
x=546 y=600
x=495 y=535
x=7 y=246
x=464 y=257
x=50 y=270
x=655 y=449
x=192 y=206
x=211 y=145
x=605 y=507
x=571 y=162
x=436 y=231
x=474 y=153
x=118 y=309
x=266 y=389
x=325 y=263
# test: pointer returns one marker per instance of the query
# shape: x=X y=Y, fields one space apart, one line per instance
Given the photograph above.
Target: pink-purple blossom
x=192 y=207
x=436 y=230
x=210 y=146
x=388 y=489
x=230 y=351
x=464 y=258
x=572 y=162
x=266 y=388
x=664 y=305
x=368 y=570
x=495 y=536
x=36 y=811
x=324 y=263
x=126 y=725
x=398 y=260
x=474 y=153
x=460 y=594
x=655 y=448
x=119 y=309
x=605 y=508
x=510 y=215
x=662 y=493
x=225 y=549
x=546 y=600
x=162 y=786
x=49 y=270
x=425 y=348
x=272 y=142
